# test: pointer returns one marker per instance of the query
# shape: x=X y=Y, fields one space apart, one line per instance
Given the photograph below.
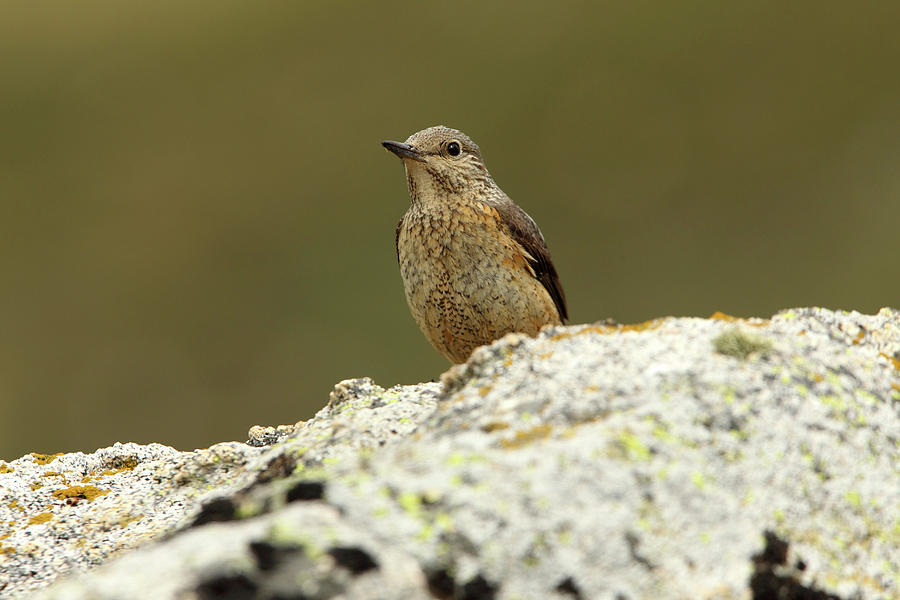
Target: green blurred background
x=197 y=219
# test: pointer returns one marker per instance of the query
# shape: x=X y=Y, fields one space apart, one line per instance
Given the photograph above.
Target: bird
x=474 y=265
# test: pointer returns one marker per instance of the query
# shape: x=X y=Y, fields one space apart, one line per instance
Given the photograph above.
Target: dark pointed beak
x=403 y=150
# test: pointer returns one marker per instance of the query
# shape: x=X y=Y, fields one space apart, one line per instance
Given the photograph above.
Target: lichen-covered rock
x=680 y=458
x=69 y=512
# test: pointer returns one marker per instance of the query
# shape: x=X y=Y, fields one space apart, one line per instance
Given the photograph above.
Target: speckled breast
x=466 y=280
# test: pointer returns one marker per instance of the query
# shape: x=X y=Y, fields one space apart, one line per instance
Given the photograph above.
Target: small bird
x=474 y=265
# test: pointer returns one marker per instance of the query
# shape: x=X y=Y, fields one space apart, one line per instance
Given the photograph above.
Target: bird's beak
x=403 y=150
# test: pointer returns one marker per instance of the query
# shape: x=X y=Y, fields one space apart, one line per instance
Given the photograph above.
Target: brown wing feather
x=526 y=233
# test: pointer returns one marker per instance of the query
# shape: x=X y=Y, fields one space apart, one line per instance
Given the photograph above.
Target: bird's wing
x=527 y=234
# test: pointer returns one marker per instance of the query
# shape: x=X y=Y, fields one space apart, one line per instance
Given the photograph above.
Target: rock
x=679 y=458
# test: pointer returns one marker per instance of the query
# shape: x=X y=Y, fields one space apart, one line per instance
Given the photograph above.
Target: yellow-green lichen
x=741 y=344
x=834 y=402
x=634 y=447
x=699 y=480
x=662 y=433
x=247 y=509
x=426 y=533
x=411 y=503
x=5 y=468
x=728 y=394
x=443 y=521
x=853 y=499
x=285 y=535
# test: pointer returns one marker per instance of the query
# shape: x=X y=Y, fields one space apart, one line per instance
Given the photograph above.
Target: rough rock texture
x=69 y=512
x=680 y=458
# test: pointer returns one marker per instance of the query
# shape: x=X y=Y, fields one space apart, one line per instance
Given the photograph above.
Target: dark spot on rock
x=278 y=468
x=306 y=490
x=766 y=584
x=775 y=552
x=354 y=560
x=633 y=542
x=440 y=584
x=231 y=587
x=479 y=588
x=218 y=509
x=569 y=587
x=269 y=556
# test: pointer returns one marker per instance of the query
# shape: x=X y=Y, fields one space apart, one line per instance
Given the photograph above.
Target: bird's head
x=441 y=161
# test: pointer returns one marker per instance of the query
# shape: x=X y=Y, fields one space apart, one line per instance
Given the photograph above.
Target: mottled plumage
x=474 y=265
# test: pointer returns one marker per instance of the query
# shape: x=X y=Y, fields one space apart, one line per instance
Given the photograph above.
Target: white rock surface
x=682 y=458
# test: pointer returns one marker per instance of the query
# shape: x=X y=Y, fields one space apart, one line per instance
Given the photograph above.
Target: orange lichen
x=39 y=519
x=125 y=521
x=606 y=329
x=893 y=360
x=79 y=492
x=43 y=459
x=720 y=316
x=527 y=436
x=644 y=326
x=120 y=466
x=494 y=426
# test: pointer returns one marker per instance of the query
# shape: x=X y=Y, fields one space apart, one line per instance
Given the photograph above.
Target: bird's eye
x=453 y=149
